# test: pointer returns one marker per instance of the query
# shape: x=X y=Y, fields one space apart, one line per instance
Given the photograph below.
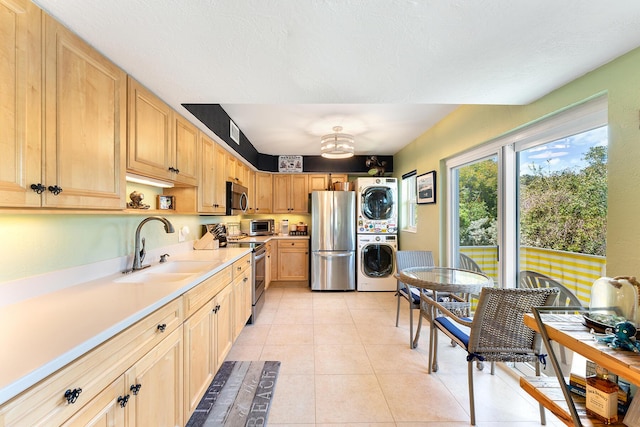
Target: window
x=534 y=200
x=409 y=208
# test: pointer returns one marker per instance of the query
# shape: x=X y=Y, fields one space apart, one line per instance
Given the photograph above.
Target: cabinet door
x=274 y=260
x=231 y=164
x=251 y=185
x=293 y=260
x=159 y=373
x=200 y=356
x=104 y=410
x=299 y=195
x=150 y=133
x=241 y=295
x=20 y=94
x=224 y=323
x=206 y=165
x=281 y=190
x=264 y=191
x=185 y=162
x=85 y=124
x=318 y=182
x=220 y=180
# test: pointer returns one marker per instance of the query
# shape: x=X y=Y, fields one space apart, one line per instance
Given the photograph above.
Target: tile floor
x=344 y=363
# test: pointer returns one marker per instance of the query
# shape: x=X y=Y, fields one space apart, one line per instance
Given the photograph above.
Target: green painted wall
x=470 y=126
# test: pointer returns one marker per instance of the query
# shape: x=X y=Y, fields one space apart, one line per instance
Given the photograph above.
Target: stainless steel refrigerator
x=333 y=240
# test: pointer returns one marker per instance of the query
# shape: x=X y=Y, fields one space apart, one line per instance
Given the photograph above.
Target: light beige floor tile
x=373 y=316
x=336 y=334
x=332 y=315
x=253 y=335
x=420 y=397
x=290 y=315
x=299 y=302
x=266 y=317
x=356 y=425
x=329 y=300
x=296 y=359
x=290 y=335
x=245 y=352
x=396 y=359
x=293 y=400
x=350 y=398
x=378 y=334
x=341 y=359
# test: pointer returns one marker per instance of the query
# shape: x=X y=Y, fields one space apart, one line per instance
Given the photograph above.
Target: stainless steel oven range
x=258 y=254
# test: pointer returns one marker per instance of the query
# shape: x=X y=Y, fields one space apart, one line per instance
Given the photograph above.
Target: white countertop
x=42 y=334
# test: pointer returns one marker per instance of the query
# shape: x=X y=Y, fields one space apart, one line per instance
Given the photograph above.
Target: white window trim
x=408 y=199
x=590 y=114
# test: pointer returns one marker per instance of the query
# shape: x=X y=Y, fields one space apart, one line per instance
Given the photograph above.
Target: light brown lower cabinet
x=293 y=260
x=105 y=410
x=159 y=400
x=154 y=373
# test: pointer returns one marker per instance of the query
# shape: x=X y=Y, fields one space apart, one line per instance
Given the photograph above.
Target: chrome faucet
x=138 y=253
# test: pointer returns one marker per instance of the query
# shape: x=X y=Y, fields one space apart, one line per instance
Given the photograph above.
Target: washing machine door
x=377 y=260
x=377 y=203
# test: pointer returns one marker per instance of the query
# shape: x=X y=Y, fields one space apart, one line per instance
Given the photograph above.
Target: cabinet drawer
x=241 y=265
x=293 y=244
x=45 y=404
x=207 y=289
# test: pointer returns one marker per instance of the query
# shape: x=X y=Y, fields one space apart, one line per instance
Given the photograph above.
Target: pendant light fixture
x=337 y=145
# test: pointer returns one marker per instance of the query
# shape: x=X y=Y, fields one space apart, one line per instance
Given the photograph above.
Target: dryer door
x=377 y=203
x=377 y=260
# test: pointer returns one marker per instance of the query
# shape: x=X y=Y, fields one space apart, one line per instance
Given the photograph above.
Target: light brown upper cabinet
x=85 y=124
x=290 y=193
x=212 y=187
x=20 y=94
x=162 y=144
x=74 y=158
x=323 y=182
x=264 y=191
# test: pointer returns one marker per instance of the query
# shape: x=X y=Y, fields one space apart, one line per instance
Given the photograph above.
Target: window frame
x=409 y=202
x=588 y=115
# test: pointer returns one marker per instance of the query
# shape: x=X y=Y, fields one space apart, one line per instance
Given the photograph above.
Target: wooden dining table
x=443 y=281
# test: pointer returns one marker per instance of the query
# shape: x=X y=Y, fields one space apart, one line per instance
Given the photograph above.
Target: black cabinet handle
x=72 y=395
x=55 y=189
x=162 y=327
x=122 y=401
x=135 y=389
x=38 y=188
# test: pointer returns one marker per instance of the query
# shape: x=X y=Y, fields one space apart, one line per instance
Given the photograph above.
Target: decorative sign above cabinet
x=289 y=164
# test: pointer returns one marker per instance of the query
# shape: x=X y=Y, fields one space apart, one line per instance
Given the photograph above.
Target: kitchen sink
x=182 y=267
x=151 y=276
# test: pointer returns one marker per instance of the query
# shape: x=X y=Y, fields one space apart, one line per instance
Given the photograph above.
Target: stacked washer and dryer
x=377 y=233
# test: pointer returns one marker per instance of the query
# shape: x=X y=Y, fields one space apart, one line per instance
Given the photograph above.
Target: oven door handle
x=258 y=257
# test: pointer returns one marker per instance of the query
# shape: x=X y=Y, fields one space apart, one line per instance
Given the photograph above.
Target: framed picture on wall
x=166 y=202
x=426 y=187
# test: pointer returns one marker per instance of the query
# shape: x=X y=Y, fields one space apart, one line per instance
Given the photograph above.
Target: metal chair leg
x=398 y=310
x=472 y=406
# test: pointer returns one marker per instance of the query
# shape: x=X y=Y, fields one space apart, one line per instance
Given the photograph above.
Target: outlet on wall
x=182 y=233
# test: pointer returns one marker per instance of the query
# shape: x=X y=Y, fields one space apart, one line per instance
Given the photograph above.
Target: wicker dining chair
x=406 y=259
x=467 y=263
x=566 y=298
x=496 y=333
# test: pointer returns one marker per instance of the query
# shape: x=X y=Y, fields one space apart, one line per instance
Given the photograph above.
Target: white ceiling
x=287 y=71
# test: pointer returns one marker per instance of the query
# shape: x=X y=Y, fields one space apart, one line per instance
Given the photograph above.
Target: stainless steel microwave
x=237 y=200
x=257 y=227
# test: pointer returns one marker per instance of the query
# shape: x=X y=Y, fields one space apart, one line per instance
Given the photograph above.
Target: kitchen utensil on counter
x=284 y=227
x=302 y=227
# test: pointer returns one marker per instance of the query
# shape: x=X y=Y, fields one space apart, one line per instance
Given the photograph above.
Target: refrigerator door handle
x=334 y=254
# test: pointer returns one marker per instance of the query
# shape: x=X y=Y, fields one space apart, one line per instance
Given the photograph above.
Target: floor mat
x=239 y=395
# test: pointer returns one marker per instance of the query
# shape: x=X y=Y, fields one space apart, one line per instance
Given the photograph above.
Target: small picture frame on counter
x=166 y=202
